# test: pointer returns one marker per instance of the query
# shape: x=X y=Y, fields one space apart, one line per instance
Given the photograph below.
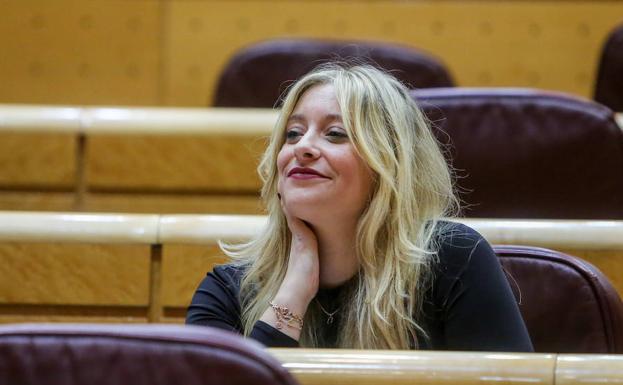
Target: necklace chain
x=328 y=314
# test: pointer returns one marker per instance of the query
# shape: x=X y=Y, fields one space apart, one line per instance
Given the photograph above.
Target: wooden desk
x=578 y=369
x=362 y=367
x=368 y=367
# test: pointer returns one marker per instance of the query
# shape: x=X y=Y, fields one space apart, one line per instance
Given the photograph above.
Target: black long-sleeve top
x=469 y=305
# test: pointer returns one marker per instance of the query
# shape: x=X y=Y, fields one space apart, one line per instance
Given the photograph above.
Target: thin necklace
x=329 y=315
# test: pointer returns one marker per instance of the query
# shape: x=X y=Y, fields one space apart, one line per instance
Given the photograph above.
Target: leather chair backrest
x=609 y=85
x=88 y=354
x=521 y=153
x=257 y=75
x=568 y=305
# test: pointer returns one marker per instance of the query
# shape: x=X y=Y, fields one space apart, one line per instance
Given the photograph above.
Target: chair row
x=257 y=75
x=166 y=354
x=140 y=261
x=516 y=153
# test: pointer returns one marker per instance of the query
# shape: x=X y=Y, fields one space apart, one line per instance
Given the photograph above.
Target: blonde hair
x=396 y=232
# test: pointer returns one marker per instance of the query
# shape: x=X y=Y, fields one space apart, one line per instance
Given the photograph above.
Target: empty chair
x=609 y=85
x=568 y=305
x=257 y=75
x=521 y=153
x=48 y=354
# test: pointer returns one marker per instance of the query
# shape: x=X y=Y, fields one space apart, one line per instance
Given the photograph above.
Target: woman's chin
x=318 y=211
x=307 y=209
x=308 y=215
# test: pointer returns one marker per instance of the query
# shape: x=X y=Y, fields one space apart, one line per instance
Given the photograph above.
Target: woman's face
x=320 y=174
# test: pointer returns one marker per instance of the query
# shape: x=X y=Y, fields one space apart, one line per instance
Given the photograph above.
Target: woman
x=354 y=254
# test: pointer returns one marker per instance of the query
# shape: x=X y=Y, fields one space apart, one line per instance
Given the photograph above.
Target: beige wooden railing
x=365 y=367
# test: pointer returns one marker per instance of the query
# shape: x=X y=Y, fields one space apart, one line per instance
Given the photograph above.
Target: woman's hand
x=302 y=278
x=303 y=274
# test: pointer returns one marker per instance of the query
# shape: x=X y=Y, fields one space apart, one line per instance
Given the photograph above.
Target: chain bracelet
x=286 y=317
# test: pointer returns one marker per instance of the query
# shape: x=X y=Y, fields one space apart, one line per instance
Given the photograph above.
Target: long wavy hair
x=396 y=233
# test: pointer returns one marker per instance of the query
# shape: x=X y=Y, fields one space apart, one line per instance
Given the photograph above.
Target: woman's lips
x=305 y=176
x=305 y=173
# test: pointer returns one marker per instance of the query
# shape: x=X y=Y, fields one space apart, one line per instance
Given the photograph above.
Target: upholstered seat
x=521 y=153
x=568 y=305
x=257 y=75
x=609 y=85
x=87 y=354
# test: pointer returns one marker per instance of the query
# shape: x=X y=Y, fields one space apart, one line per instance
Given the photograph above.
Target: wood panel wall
x=170 y=52
x=74 y=282
x=132 y=283
x=81 y=52
x=49 y=163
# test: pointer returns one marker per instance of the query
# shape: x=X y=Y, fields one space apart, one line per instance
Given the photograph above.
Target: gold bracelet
x=285 y=316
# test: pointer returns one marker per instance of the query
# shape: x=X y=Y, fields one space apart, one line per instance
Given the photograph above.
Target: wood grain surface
x=146 y=52
x=68 y=274
x=43 y=161
x=218 y=164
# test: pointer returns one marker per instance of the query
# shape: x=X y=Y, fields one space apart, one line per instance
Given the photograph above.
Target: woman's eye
x=292 y=134
x=337 y=134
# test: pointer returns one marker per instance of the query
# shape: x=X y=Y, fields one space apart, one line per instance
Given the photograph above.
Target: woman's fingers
x=301 y=232
x=302 y=275
x=294 y=224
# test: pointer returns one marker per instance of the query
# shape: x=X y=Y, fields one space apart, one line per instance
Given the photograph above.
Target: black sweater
x=469 y=305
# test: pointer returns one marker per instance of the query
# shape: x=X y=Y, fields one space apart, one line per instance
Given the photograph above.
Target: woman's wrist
x=298 y=291
x=285 y=311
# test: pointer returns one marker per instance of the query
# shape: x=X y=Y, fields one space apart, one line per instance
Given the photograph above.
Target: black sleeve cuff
x=271 y=337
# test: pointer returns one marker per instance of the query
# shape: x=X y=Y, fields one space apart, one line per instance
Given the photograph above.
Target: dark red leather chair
x=521 y=153
x=609 y=85
x=257 y=75
x=88 y=354
x=568 y=305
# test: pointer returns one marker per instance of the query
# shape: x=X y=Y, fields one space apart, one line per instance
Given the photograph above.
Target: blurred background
x=171 y=52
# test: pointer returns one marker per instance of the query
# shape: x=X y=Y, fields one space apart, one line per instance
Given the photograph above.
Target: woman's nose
x=306 y=148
